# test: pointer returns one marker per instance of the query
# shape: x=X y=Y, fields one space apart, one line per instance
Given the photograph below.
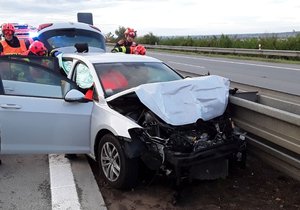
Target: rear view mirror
x=75 y=96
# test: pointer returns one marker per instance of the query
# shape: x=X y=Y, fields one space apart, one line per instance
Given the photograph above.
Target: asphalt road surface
x=35 y=182
x=273 y=76
x=24 y=182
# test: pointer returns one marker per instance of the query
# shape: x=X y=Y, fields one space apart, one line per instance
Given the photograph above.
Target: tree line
x=223 y=41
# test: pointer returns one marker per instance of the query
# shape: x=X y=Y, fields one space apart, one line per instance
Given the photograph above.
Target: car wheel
x=118 y=170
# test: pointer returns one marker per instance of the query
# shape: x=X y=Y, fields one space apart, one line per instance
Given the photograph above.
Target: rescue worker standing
x=129 y=34
x=11 y=44
x=128 y=45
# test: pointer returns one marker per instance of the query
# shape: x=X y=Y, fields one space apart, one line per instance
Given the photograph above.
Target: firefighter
x=129 y=34
x=36 y=48
x=11 y=44
x=128 y=45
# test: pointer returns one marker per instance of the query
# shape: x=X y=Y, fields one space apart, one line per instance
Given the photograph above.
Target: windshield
x=69 y=37
x=116 y=77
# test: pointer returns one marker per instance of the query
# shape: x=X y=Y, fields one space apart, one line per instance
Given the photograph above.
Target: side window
x=83 y=77
x=6 y=71
x=29 y=79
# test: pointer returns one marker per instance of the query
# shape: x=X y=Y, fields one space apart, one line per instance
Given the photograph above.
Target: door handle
x=10 y=106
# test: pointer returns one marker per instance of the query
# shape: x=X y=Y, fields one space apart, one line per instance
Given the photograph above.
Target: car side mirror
x=75 y=96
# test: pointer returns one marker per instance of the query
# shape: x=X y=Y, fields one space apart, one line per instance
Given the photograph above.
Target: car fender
x=104 y=120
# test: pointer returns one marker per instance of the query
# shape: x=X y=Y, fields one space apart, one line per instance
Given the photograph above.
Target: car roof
x=108 y=57
x=62 y=25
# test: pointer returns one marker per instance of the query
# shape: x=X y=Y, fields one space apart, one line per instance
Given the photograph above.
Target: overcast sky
x=163 y=17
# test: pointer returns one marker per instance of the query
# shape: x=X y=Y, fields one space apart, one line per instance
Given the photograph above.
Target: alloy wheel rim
x=110 y=161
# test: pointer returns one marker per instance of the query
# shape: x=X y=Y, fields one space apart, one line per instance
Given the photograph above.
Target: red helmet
x=8 y=27
x=38 y=48
x=130 y=32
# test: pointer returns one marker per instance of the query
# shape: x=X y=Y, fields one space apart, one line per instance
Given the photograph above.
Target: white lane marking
x=62 y=184
x=232 y=62
x=184 y=64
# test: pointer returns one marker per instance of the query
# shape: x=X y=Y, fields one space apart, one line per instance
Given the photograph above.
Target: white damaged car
x=140 y=111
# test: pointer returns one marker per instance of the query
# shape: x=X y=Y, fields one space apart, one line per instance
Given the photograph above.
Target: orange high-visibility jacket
x=8 y=50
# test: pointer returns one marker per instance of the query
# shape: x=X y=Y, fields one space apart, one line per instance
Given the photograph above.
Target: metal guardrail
x=281 y=160
x=237 y=51
x=276 y=123
x=267 y=92
x=282 y=53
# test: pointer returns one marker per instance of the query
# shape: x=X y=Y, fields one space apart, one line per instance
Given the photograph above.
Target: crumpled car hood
x=184 y=101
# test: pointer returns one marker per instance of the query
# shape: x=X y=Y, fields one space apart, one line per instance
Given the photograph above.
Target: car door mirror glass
x=74 y=96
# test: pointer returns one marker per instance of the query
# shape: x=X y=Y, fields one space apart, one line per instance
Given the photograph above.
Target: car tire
x=118 y=170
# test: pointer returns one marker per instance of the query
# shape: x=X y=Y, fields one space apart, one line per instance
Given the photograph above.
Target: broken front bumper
x=212 y=159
